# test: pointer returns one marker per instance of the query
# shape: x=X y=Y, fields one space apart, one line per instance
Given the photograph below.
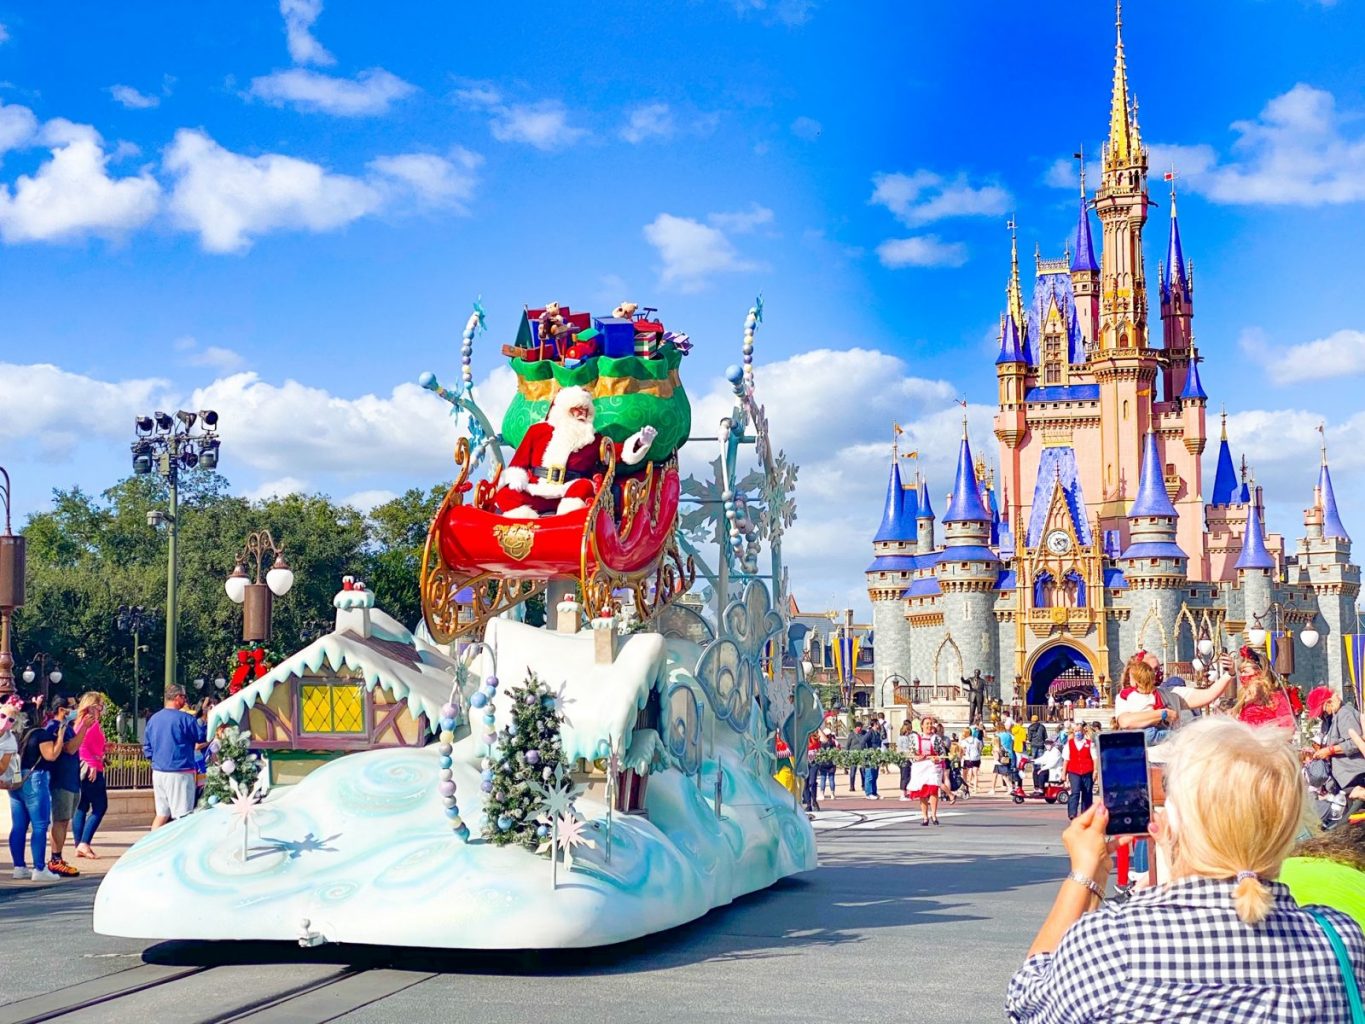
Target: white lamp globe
x=280 y=577
x=1309 y=636
x=29 y=675
x=236 y=584
x=219 y=683
x=1197 y=664
x=55 y=676
x=1256 y=636
x=1206 y=647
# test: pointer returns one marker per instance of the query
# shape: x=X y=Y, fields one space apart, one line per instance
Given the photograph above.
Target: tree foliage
x=88 y=555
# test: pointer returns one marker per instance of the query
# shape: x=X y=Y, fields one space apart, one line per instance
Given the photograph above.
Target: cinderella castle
x=1099 y=537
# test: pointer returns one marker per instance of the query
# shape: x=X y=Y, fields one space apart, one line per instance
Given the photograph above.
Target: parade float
x=478 y=782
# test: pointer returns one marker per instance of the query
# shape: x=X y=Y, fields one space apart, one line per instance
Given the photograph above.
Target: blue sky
x=284 y=210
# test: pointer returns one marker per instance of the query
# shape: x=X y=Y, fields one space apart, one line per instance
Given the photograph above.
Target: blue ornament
x=490 y=719
x=479 y=699
x=549 y=702
x=213 y=801
x=504 y=823
x=543 y=831
x=446 y=763
x=486 y=785
x=452 y=812
x=486 y=775
x=463 y=832
x=447 y=725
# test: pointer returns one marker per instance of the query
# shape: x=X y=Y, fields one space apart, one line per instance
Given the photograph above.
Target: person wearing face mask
x=30 y=804
x=9 y=742
x=1223 y=939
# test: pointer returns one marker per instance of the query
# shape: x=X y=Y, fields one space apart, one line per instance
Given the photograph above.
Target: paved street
x=899 y=921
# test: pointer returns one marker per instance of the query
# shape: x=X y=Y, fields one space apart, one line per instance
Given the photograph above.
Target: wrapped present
x=649 y=337
x=618 y=336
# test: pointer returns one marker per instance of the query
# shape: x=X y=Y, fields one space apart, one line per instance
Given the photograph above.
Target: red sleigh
x=494 y=563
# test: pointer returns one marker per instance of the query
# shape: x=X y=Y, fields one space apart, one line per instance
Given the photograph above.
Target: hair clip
x=1244 y=875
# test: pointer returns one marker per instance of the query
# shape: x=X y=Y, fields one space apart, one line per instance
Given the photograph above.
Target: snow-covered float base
x=361 y=849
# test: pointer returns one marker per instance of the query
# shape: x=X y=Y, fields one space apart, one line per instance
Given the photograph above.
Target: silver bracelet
x=1087 y=881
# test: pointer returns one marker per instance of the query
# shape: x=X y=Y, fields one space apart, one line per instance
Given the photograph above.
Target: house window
x=332 y=708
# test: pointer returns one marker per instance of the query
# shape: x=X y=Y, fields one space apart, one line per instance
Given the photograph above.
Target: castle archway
x=1064 y=669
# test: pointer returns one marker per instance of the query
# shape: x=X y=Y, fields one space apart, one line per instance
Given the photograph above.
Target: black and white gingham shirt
x=1179 y=953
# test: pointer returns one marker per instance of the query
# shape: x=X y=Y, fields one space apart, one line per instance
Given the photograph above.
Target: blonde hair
x=88 y=698
x=1139 y=675
x=1259 y=689
x=1234 y=807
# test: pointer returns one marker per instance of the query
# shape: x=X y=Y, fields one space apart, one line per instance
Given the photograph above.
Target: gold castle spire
x=1014 y=293
x=1123 y=135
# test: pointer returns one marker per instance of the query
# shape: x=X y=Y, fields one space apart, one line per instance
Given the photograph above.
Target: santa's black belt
x=558 y=474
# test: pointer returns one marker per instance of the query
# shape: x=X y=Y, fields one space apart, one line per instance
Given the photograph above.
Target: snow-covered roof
x=600 y=702
x=380 y=648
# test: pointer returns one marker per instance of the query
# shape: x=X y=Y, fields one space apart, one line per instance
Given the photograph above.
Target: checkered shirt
x=1180 y=953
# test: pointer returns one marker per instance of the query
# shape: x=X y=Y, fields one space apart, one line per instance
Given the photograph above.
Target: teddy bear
x=625 y=310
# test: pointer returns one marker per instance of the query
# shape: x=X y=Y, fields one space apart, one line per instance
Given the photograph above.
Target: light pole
x=11 y=586
x=1284 y=652
x=135 y=620
x=257 y=598
x=50 y=677
x=168 y=444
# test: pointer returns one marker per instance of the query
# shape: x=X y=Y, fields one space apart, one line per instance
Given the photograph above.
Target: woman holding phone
x=1223 y=937
x=94 y=799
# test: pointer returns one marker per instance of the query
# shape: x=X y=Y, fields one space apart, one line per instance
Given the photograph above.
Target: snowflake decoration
x=758 y=748
x=570 y=833
x=557 y=796
x=562 y=699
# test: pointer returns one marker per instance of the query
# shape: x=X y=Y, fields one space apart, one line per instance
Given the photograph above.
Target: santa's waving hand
x=557 y=467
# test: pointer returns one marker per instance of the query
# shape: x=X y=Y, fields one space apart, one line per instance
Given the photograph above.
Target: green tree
x=528 y=752
x=398 y=533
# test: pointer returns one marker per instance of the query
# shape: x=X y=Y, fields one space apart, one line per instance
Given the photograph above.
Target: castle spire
x=926 y=509
x=1331 y=517
x=1011 y=350
x=1123 y=141
x=1152 y=518
x=1014 y=293
x=964 y=505
x=1084 y=257
x=1194 y=388
x=1225 y=477
x=895 y=527
x=1152 y=499
x=1254 y=554
x=1176 y=279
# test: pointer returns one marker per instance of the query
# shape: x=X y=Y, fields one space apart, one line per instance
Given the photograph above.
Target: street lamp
x=257 y=598
x=168 y=444
x=11 y=586
x=1284 y=653
x=135 y=620
x=50 y=676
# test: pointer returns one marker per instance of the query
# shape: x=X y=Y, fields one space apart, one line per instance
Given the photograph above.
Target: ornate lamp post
x=11 y=586
x=135 y=620
x=1284 y=653
x=169 y=444
x=257 y=598
x=50 y=677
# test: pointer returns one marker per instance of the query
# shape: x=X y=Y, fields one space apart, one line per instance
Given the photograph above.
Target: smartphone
x=1125 y=788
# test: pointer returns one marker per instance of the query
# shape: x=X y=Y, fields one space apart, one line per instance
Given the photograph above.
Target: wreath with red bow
x=250 y=665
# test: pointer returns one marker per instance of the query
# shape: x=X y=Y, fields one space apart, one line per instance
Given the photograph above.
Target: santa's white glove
x=637 y=445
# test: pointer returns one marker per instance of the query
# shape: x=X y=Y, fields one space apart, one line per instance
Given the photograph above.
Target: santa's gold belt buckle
x=554 y=474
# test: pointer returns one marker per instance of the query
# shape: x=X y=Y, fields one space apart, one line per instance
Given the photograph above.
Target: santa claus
x=557 y=467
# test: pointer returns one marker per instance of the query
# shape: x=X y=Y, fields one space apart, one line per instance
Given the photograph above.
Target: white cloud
x=742 y=221
x=924 y=197
x=72 y=194
x=648 y=121
x=229 y=199
x=367 y=501
x=299 y=16
x=281 y=488
x=434 y=180
x=692 y=251
x=4 y=34
x=544 y=124
x=216 y=357
x=1339 y=354
x=371 y=92
x=18 y=126
x=128 y=97
x=807 y=128
x=842 y=482
x=921 y=251
x=50 y=411
x=787 y=12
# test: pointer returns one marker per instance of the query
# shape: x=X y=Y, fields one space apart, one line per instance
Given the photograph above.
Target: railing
x=125 y=767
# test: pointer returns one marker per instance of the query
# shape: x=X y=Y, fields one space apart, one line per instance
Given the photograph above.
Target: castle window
x=1054 y=373
x=1125 y=408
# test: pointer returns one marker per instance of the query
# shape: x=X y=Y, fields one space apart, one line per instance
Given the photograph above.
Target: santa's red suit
x=557 y=467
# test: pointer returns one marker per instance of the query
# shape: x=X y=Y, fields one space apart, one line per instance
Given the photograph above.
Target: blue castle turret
x=1331 y=517
x=1225 y=489
x=1254 y=553
x=898 y=518
x=924 y=524
x=1152 y=521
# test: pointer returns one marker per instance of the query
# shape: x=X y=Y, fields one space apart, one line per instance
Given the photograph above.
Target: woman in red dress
x=1263 y=700
x=926 y=770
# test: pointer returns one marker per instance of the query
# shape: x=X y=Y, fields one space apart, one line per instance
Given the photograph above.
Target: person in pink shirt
x=94 y=800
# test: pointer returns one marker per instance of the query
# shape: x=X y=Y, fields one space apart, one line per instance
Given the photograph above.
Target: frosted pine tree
x=528 y=751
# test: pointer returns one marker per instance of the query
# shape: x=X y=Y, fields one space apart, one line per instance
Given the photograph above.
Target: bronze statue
x=976 y=696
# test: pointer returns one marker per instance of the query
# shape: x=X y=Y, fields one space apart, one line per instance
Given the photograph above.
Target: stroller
x=1055 y=786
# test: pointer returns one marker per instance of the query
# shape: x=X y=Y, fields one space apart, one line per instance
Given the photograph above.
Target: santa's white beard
x=569 y=434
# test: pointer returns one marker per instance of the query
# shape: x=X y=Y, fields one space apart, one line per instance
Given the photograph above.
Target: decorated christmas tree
x=528 y=752
x=233 y=762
